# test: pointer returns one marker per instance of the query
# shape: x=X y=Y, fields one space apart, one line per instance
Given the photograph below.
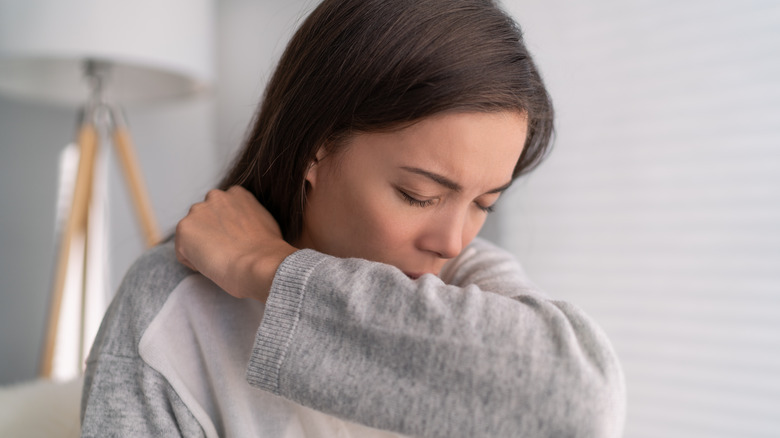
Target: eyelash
x=489 y=209
x=414 y=202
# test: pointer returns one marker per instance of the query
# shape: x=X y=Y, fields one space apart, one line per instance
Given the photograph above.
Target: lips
x=414 y=275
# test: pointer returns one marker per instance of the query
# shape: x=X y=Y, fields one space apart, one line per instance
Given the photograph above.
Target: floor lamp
x=98 y=53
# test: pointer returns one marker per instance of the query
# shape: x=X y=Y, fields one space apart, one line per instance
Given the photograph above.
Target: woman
x=386 y=134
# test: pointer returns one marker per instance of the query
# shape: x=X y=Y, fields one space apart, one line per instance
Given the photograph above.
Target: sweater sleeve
x=486 y=355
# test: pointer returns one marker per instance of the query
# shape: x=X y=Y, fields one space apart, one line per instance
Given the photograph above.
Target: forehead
x=470 y=146
x=471 y=130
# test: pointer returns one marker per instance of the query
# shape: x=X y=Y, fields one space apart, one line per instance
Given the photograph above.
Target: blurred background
x=658 y=211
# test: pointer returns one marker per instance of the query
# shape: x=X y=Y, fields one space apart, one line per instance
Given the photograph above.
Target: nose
x=444 y=237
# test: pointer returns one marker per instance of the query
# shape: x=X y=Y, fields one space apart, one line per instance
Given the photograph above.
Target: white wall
x=252 y=36
x=659 y=210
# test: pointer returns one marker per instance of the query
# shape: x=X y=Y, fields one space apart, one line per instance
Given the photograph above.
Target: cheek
x=385 y=227
x=360 y=215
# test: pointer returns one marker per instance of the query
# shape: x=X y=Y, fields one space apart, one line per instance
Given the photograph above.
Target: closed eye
x=414 y=201
x=487 y=209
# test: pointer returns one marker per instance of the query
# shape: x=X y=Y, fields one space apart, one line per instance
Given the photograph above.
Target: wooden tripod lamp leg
x=76 y=222
x=134 y=178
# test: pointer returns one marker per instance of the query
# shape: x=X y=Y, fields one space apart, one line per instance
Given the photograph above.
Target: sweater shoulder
x=144 y=289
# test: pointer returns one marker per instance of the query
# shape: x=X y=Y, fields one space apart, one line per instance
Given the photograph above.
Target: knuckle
x=214 y=193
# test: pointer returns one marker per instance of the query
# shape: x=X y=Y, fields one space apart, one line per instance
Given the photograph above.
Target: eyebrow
x=448 y=183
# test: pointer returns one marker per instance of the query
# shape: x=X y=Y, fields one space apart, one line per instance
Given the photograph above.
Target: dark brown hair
x=373 y=65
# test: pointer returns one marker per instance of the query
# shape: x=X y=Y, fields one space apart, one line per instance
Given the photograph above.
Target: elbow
x=585 y=400
x=597 y=395
x=603 y=413
x=590 y=380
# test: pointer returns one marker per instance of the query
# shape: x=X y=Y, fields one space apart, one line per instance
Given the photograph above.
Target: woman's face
x=415 y=197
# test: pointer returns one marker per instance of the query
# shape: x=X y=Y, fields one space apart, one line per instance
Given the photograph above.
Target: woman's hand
x=234 y=241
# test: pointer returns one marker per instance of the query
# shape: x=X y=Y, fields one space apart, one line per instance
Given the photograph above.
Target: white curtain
x=85 y=298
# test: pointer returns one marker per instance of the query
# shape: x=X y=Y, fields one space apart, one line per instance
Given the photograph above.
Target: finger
x=195 y=208
x=214 y=194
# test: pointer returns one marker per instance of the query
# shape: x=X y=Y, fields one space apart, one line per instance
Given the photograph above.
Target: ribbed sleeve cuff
x=280 y=319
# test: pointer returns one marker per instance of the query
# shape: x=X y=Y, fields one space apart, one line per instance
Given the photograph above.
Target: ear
x=311 y=172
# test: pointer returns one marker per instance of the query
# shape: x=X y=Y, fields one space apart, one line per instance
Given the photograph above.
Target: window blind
x=658 y=211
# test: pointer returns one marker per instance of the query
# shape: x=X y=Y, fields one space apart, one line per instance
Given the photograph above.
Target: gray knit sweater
x=348 y=347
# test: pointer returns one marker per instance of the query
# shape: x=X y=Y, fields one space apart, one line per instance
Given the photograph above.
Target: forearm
x=361 y=341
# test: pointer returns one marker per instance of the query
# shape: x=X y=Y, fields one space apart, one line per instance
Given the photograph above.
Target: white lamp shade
x=157 y=48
